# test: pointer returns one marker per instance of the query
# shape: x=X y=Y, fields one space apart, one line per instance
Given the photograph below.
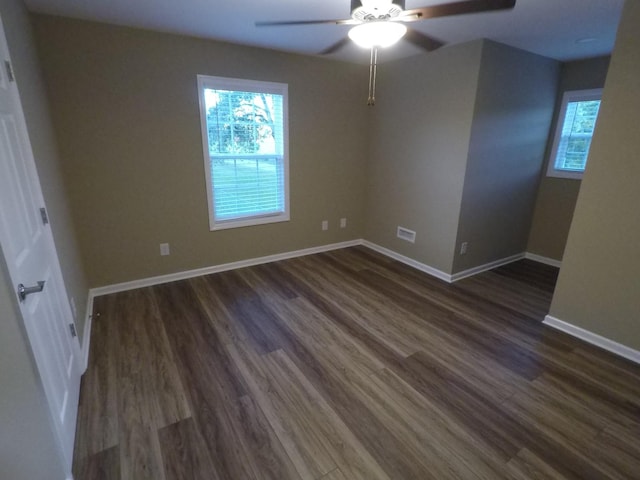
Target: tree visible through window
x=244 y=136
x=576 y=124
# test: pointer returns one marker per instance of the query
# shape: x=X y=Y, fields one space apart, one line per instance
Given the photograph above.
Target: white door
x=30 y=254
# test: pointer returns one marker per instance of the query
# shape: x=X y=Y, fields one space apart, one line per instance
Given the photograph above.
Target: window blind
x=245 y=132
x=577 y=130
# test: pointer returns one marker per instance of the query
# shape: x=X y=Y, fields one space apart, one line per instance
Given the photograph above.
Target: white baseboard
x=540 y=259
x=593 y=338
x=86 y=333
x=439 y=273
x=408 y=261
x=487 y=266
x=172 y=277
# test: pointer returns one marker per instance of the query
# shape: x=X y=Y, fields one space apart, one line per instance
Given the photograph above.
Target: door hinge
x=43 y=214
x=9 y=67
x=72 y=328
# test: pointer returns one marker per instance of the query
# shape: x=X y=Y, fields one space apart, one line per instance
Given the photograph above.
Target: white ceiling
x=560 y=29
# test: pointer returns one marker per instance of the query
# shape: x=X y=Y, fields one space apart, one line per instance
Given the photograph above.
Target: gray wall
x=125 y=106
x=599 y=286
x=557 y=197
x=513 y=111
x=419 y=143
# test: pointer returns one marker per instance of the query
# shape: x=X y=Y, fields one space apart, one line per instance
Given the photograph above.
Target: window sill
x=566 y=175
x=248 y=222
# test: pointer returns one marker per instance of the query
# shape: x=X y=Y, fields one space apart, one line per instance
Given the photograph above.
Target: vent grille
x=406 y=234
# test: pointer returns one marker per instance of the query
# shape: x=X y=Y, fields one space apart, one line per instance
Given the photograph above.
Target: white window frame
x=568 y=97
x=243 y=85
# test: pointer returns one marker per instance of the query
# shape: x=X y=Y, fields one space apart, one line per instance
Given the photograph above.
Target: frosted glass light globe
x=377 y=33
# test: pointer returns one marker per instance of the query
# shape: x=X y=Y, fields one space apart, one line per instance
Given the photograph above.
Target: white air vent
x=406 y=234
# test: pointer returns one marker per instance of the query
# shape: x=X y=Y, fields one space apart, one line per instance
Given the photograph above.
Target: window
x=245 y=142
x=576 y=123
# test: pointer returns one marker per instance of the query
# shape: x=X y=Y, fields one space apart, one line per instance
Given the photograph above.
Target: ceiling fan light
x=377 y=34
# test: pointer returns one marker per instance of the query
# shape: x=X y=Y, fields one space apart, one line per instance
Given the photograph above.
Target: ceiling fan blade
x=347 y=21
x=335 y=47
x=455 y=8
x=421 y=40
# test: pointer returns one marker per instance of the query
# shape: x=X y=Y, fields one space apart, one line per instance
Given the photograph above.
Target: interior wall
x=42 y=136
x=420 y=128
x=599 y=287
x=513 y=111
x=556 y=199
x=125 y=106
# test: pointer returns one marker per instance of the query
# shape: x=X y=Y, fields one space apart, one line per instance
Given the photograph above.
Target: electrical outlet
x=343 y=222
x=463 y=248
x=325 y=224
x=164 y=249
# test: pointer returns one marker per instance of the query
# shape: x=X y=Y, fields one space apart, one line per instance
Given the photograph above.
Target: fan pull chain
x=373 y=69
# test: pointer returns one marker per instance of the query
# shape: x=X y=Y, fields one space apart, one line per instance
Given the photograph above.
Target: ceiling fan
x=380 y=23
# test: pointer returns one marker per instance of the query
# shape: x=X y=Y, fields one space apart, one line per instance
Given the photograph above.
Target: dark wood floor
x=348 y=365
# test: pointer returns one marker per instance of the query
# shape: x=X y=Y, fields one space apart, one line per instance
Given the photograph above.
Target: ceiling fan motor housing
x=368 y=10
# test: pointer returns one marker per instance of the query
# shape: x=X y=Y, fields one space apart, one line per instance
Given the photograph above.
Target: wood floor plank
x=449 y=451
x=285 y=417
x=217 y=315
x=492 y=342
x=469 y=406
x=137 y=405
x=346 y=450
x=311 y=327
x=479 y=317
x=617 y=449
x=144 y=340
x=337 y=366
x=172 y=405
x=245 y=306
x=183 y=452
x=350 y=365
x=98 y=407
x=272 y=461
x=560 y=424
x=601 y=406
x=140 y=457
x=104 y=465
x=569 y=439
x=336 y=386
x=424 y=322
x=527 y=466
x=473 y=309
x=334 y=475
x=213 y=386
x=357 y=313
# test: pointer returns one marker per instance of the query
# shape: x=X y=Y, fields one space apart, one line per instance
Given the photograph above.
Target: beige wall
x=599 y=285
x=557 y=197
x=419 y=143
x=513 y=110
x=125 y=105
